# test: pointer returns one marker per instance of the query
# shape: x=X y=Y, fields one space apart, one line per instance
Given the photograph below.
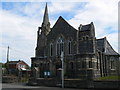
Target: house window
x=51 y=49
x=69 y=47
x=60 y=46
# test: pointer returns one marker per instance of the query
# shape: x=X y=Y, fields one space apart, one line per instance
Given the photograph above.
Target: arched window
x=41 y=64
x=69 y=47
x=83 y=64
x=98 y=61
x=83 y=38
x=112 y=63
x=60 y=46
x=51 y=49
x=71 y=65
x=90 y=64
x=87 y=37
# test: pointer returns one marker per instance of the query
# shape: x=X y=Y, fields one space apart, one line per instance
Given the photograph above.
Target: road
x=19 y=86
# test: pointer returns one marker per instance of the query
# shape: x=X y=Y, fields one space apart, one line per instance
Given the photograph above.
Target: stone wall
x=70 y=83
x=9 y=79
x=107 y=84
x=77 y=83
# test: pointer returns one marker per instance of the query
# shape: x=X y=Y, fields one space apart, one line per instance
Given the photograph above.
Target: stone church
x=84 y=56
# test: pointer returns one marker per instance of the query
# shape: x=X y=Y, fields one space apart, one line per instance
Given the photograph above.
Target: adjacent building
x=17 y=67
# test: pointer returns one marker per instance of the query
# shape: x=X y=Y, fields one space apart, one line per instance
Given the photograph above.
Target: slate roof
x=104 y=46
x=86 y=27
x=62 y=27
x=13 y=62
x=100 y=44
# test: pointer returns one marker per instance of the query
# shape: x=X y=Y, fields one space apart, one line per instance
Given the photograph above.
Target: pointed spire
x=46 y=18
x=45 y=28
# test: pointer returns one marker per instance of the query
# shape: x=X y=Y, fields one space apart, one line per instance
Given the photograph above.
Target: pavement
x=21 y=86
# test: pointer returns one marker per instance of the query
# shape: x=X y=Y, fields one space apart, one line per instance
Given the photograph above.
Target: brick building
x=14 y=67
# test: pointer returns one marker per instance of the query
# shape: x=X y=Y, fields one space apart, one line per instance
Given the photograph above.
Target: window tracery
x=60 y=45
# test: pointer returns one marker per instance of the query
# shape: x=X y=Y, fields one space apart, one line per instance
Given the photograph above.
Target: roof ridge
x=111 y=46
x=100 y=38
x=61 y=18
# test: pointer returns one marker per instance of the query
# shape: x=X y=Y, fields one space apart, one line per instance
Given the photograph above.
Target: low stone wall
x=46 y=82
x=107 y=84
x=9 y=79
x=77 y=83
x=67 y=83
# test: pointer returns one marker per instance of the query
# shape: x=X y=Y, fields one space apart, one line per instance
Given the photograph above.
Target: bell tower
x=42 y=33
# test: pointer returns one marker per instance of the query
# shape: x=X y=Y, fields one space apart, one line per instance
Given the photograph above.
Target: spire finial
x=46 y=18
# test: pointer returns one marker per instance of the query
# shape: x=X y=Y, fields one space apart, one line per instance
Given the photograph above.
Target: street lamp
x=62 y=57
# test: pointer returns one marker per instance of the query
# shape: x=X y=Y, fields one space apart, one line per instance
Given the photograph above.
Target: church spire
x=46 y=23
x=46 y=18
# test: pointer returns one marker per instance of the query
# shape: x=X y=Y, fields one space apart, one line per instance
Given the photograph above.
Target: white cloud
x=20 y=32
x=57 y=7
x=104 y=14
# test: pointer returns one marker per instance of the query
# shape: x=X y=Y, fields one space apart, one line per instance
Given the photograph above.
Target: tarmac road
x=19 y=86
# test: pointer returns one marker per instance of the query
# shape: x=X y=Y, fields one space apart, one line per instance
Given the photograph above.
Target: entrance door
x=58 y=74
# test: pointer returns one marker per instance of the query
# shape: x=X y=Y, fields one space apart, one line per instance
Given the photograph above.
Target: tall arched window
x=51 y=49
x=60 y=46
x=90 y=64
x=112 y=63
x=98 y=61
x=71 y=65
x=69 y=47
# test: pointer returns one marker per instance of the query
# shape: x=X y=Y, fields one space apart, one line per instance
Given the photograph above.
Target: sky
x=19 y=22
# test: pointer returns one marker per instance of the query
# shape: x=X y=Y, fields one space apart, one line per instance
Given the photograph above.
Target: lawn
x=109 y=78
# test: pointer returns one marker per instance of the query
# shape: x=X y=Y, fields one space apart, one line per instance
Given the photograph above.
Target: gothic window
x=90 y=64
x=36 y=65
x=112 y=63
x=51 y=49
x=40 y=64
x=83 y=38
x=98 y=61
x=60 y=46
x=71 y=65
x=69 y=47
x=87 y=37
x=83 y=64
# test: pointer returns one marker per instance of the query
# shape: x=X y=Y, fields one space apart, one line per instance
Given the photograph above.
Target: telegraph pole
x=62 y=57
x=7 y=60
x=8 y=55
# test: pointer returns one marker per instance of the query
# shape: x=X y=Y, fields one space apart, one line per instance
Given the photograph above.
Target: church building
x=85 y=57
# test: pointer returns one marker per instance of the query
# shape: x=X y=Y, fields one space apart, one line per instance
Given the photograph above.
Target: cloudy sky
x=19 y=22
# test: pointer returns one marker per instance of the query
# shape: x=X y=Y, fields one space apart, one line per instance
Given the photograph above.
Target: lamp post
x=62 y=57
